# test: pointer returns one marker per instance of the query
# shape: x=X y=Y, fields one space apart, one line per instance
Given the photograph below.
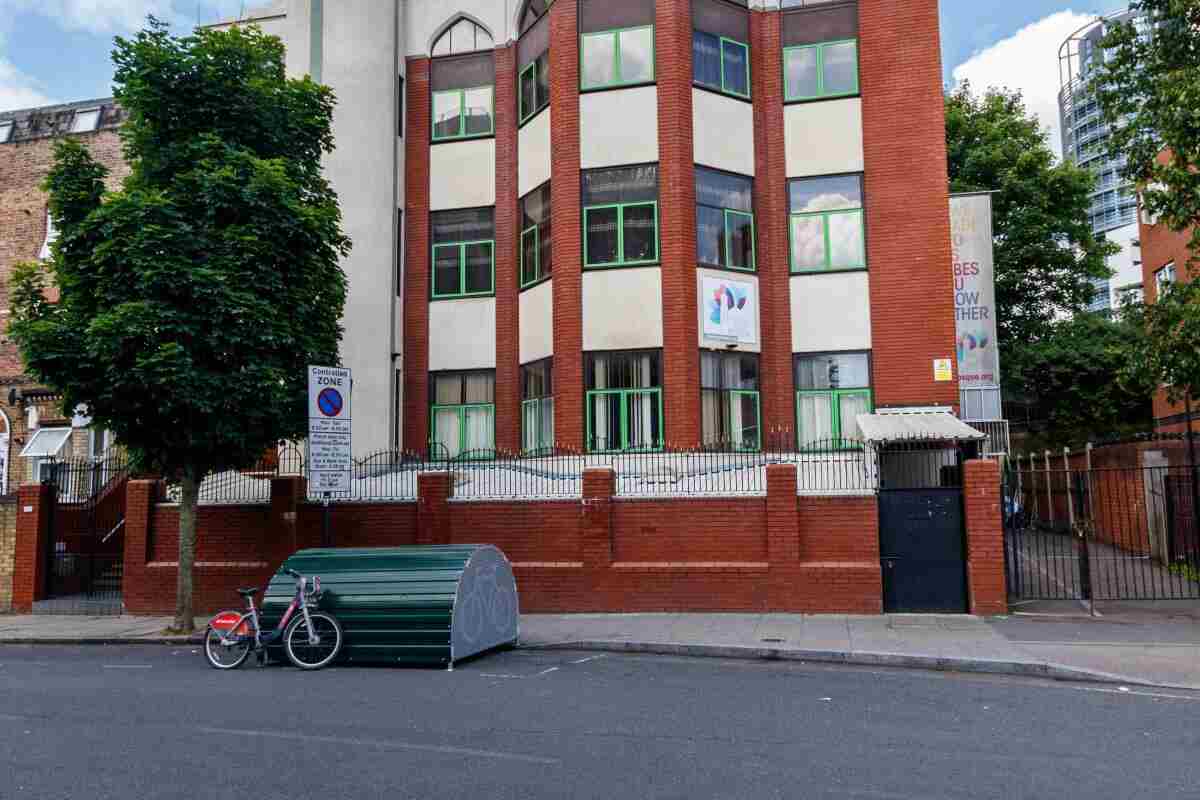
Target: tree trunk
x=189 y=491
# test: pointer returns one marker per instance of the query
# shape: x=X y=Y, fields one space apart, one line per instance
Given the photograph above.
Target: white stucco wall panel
x=823 y=138
x=462 y=174
x=831 y=312
x=536 y=322
x=425 y=18
x=723 y=132
x=462 y=334
x=618 y=127
x=622 y=308
x=533 y=153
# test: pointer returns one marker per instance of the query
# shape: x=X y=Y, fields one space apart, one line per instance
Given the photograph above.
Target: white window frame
x=6 y=130
x=80 y=114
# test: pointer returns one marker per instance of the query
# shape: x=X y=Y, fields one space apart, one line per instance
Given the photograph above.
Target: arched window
x=532 y=12
x=464 y=36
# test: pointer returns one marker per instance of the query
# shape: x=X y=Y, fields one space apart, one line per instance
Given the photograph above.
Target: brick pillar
x=783 y=515
x=567 y=246
x=599 y=486
x=286 y=494
x=139 y=508
x=433 y=508
x=770 y=205
x=416 y=255
x=677 y=222
x=508 y=368
x=907 y=201
x=986 y=589
x=32 y=545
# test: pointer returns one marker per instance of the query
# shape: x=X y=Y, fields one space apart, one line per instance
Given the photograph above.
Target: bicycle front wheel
x=317 y=650
x=224 y=656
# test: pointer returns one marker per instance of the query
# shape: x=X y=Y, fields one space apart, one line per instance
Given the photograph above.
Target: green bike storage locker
x=413 y=605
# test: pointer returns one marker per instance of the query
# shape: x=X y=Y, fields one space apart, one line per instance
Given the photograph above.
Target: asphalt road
x=156 y=722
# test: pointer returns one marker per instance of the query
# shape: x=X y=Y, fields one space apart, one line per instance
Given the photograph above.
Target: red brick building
x=27 y=139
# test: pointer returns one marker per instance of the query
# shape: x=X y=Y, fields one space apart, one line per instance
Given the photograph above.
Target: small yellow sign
x=943 y=369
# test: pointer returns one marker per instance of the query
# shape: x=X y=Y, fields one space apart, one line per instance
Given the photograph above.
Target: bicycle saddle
x=247 y=592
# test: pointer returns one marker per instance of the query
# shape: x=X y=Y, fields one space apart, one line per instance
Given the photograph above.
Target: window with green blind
x=463 y=256
x=462 y=414
x=821 y=71
x=608 y=59
x=826 y=228
x=537 y=407
x=620 y=216
x=462 y=113
x=624 y=401
x=832 y=389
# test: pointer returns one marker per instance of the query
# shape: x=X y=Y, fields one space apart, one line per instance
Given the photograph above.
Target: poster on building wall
x=730 y=309
x=974 y=290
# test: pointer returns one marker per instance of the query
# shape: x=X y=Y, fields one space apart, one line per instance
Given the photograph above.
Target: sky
x=58 y=50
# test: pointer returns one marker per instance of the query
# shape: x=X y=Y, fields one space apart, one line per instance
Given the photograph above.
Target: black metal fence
x=1100 y=533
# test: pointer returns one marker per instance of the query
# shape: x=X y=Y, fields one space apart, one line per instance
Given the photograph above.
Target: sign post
x=329 y=436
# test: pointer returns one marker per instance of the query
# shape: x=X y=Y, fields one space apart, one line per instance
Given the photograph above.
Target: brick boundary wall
x=32 y=535
x=987 y=592
x=8 y=549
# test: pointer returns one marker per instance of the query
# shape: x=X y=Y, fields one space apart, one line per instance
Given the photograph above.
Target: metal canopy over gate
x=922 y=537
x=85 y=562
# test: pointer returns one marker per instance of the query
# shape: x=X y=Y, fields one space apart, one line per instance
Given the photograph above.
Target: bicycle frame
x=232 y=626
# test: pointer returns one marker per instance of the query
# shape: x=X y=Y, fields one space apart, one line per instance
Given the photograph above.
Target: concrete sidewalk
x=1157 y=651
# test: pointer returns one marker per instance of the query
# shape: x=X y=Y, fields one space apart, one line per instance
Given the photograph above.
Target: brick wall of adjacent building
x=416 y=254
x=507 y=263
x=8 y=550
x=907 y=206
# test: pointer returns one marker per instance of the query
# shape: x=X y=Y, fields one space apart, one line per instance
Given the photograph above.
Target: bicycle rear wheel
x=224 y=656
x=302 y=652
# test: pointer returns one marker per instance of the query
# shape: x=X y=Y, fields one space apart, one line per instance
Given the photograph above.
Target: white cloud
x=18 y=90
x=1028 y=61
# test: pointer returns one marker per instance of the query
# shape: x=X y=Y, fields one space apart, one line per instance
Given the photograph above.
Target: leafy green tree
x=1148 y=88
x=192 y=299
x=1071 y=378
x=1046 y=255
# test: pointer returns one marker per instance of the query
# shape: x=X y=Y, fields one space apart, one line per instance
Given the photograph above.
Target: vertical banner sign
x=974 y=291
x=329 y=453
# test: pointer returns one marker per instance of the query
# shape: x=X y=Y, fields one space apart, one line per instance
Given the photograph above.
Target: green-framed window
x=827 y=226
x=620 y=216
x=537 y=407
x=462 y=414
x=721 y=63
x=616 y=58
x=534 y=87
x=463 y=113
x=463 y=253
x=820 y=71
x=730 y=411
x=832 y=389
x=536 y=253
x=724 y=219
x=624 y=401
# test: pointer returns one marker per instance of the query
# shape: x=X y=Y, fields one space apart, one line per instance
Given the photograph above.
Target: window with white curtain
x=537 y=406
x=624 y=400
x=729 y=400
x=463 y=414
x=832 y=389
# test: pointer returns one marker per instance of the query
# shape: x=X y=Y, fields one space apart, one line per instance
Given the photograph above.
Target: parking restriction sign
x=329 y=440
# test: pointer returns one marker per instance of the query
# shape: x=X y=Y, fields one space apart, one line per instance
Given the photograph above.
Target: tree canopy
x=192 y=299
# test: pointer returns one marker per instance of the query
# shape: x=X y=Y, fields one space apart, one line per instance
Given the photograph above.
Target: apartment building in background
x=627 y=224
x=1113 y=210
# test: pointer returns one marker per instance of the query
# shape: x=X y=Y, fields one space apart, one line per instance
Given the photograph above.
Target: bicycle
x=311 y=639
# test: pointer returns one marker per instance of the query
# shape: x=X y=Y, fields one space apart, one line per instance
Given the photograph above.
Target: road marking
x=128 y=666
x=1127 y=692
x=385 y=744
x=498 y=675
x=1110 y=644
x=546 y=672
x=586 y=660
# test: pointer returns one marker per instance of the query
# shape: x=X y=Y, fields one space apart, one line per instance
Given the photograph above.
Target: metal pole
x=1070 y=487
x=1191 y=440
x=1049 y=492
x=326 y=533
